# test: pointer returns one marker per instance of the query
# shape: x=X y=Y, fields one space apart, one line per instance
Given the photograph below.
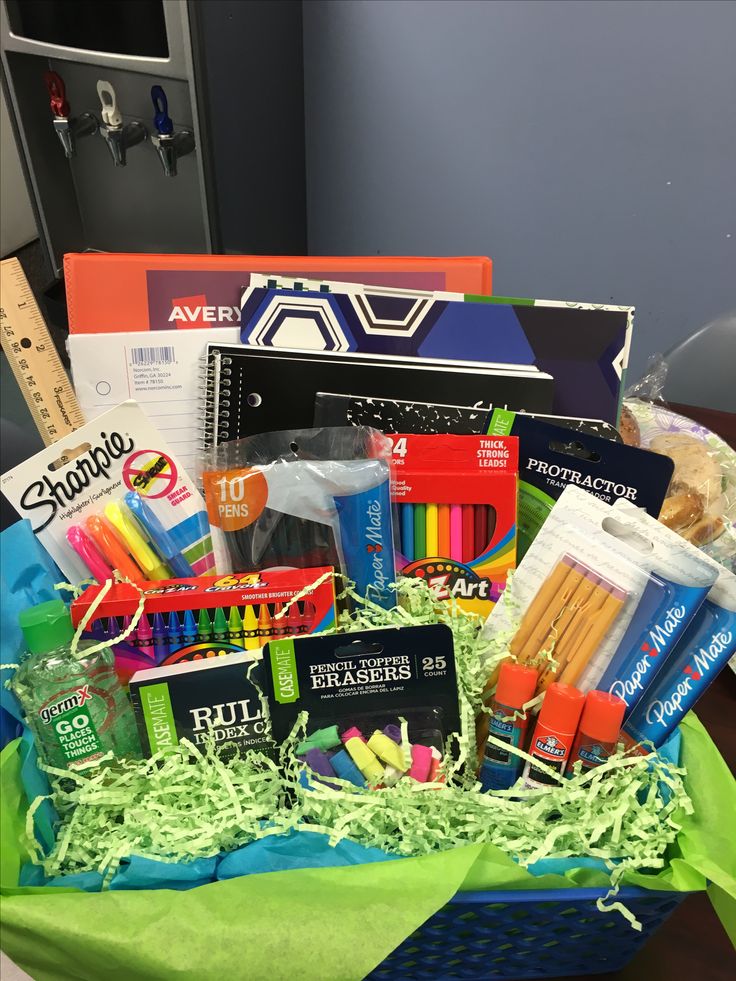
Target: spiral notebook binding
x=215 y=399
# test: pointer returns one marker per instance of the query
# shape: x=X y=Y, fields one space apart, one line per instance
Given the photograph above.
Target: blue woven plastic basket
x=527 y=934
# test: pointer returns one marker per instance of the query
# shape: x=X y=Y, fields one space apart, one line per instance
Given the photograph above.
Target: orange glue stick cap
x=602 y=716
x=561 y=708
x=516 y=684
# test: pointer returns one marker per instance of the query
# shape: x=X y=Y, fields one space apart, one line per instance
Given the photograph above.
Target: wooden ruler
x=33 y=358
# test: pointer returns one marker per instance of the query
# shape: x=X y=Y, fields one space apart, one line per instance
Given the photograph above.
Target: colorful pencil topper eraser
x=434 y=770
x=421 y=762
x=387 y=750
x=365 y=759
x=391 y=776
x=319 y=762
x=352 y=733
x=327 y=738
x=393 y=732
x=346 y=769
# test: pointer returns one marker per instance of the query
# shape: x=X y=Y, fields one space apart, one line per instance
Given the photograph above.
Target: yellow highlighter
x=124 y=524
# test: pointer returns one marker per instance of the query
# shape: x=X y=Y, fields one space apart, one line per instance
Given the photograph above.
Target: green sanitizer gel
x=74 y=703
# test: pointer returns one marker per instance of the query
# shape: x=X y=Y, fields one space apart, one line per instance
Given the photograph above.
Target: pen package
x=305 y=498
x=217 y=699
x=363 y=682
x=551 y=457
x=456 y=497
x=198 y=619
x=601 y=598
x=702 y=652
x=113 y=495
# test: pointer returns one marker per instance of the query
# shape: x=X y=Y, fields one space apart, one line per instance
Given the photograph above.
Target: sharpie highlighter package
x=113 y=495
x=703 y=651
x=601 y=598
x=301 y=499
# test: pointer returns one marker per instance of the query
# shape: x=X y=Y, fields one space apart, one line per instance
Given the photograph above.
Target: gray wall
x=588 y=147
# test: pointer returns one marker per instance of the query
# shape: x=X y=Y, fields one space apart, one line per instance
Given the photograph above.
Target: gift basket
x=343 y=703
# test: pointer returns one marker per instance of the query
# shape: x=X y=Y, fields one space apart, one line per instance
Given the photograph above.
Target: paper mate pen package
x=195 y=619
x=601 y=597
x=703 y=650
x=305 y=498
x=551 y=457
x=362 y=683
x=113 y=495
x=456 y=497
x=219 y=697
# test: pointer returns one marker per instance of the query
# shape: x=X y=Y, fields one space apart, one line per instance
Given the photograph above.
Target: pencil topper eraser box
x=194 y=619
x=367 y=679
x=456 y=498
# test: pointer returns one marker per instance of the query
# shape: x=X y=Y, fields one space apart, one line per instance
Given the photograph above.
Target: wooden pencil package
x=456 y=499
x=601 y=598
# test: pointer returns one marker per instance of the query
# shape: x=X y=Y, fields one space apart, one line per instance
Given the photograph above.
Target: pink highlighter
x=88 y=553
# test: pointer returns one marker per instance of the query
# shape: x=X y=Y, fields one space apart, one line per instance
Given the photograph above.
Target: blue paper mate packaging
x=662 y=615
x=366 y=536
x=703 y=650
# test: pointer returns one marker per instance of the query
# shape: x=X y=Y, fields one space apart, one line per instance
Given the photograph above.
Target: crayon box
x=456 y=497
x=192 y=619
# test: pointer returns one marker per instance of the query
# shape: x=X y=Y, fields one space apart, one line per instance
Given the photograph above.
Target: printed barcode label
x=153 y=355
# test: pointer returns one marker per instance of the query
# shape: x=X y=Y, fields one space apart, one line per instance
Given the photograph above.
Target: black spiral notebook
x=249 y=390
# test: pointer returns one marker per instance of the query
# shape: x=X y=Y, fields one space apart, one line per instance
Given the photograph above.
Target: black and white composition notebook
x=249 y=390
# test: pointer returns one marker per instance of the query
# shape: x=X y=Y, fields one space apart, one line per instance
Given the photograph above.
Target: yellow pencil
x=538 y=639
x=589 y=640
x=548 y=591
x=576 y=608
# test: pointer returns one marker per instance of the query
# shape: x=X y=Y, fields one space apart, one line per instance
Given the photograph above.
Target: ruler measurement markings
x=33 y=358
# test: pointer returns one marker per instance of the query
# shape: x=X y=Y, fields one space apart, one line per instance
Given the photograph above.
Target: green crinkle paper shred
x=191 y=803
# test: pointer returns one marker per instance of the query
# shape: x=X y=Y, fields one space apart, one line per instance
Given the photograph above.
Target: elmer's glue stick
x=516 y=686
x=554 y=733
x=600 y=725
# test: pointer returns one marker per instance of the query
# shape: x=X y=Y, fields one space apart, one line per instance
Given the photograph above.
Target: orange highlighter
x=109 y=544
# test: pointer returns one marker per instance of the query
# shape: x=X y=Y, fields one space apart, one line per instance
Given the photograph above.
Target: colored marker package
x=601 y=598
x=306 y=498
x=199 y=619
x=456 y=497
x=363 y=683
x=77 y=495
x=551 y=457
x=702 y=652
x=219 y=698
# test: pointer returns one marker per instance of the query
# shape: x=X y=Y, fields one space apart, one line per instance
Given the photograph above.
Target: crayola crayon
x=204 y=626
x=145 y=637
x=250 y=629
x=235 y=626
x=160 y=643
x=189 y=630
x=310 y=612
x=265 y=628
x=112 y=627
x=173 y=632
x=279 y=623
x=293 y=620
x=220 y=625
x=130 y=638
x=407 y=531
